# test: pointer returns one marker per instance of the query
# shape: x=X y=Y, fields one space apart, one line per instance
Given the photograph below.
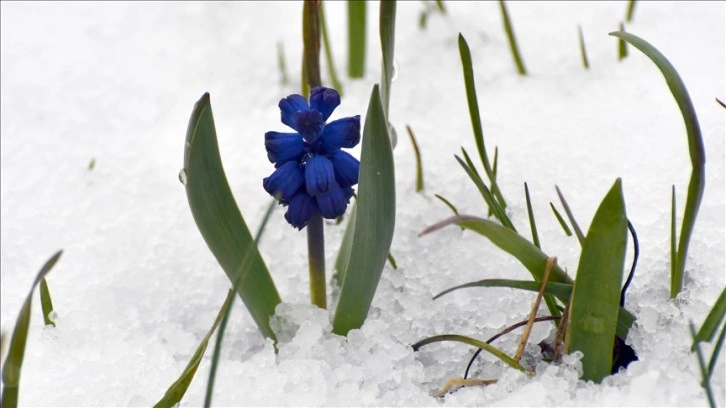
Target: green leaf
x=387 y=26
x=512 y=39
x=596 y=293
x=713 y=321
x=46 y=303
x=356 y=38
x=622 y=46
x=346 y=245
x=526 y=253
x=631 y=10
x=219 y=220
x=560 y=290
x=530 y=214
x=448 y=204
x=705 y=383
x=176 y=392
x=472 y=342
x=16 y=352
x=473 y=103
x=695 y=148
x=716 y=351
x=281 y=65
x=374 y=221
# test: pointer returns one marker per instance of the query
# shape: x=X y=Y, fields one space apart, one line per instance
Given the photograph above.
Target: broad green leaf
x=46 y=303
x=529 y=255
x=374 y=221
x=696 y=150
x=473 y=103
x=560 y=290
x=356 y=38
x=472 y=342
x=512 y=39
x=177 y=390
x=16 y=352
x=713 y=321
x=596 y=293
x=227 y=308
x=346 y=245
x=219 y=220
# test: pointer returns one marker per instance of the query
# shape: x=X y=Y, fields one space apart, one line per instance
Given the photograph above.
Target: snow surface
x=137 y=289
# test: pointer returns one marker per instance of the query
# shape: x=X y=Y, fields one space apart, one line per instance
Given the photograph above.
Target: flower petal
x=300 y=209
x=284 y=182
x=343 y=132
x=324 y=100
x=319 y=175
x=289 y=106
x=346 y=168
x=308 y=123
x=283 y=147
x=333 y=203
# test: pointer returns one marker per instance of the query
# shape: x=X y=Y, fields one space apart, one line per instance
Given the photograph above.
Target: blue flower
x=312 y=174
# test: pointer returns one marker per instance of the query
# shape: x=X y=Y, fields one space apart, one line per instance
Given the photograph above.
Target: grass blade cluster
x=356 y=38
x=473 y=104
x=176 y=391
x=219 y=220
x=374 y=221
x=512 y=39
x=696 y=149
x=16 y=352
x=596 y=293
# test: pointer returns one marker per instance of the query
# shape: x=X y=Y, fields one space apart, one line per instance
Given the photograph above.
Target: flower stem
x=316 y=261
x=311 y=43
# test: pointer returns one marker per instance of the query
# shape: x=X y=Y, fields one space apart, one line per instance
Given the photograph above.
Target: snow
x=137 y=289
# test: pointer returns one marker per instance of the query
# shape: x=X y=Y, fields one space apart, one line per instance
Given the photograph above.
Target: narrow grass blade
x=18 y=339
x=219 y=220
x=718 y=101
x=596 y=293
x=498 y=211
x=631 y=10
x=92 y=164
x=329 y=53
x=440 y=6
x=530 y=214
x=281 y=64
x=571 y=217
x=495 y=164
x=473 y=103
x=374 y=222
x=472 y=342
x=674 y=237
x=696 y=149
x=622 y=45
x=387 y=26
x=512 y=39
x=448 y=204
x=392 y=261
x=713 y=321
x=227 y=308
x=311 y=42
x=561 y=220
x=419 y=166
x=46 y=303
x=175 y=393
x=356 y=38
x=560 y=290
x=705 y=383
x=716 y=352
x=583 y=50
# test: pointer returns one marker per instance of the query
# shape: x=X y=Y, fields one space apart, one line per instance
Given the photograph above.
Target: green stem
x=316 y=261
x=311 y=41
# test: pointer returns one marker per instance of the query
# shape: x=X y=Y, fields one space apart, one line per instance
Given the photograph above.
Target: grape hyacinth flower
x=312 y=174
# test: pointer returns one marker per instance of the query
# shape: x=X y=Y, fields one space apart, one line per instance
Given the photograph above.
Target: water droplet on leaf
x=395 y=70
x=183 y=176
